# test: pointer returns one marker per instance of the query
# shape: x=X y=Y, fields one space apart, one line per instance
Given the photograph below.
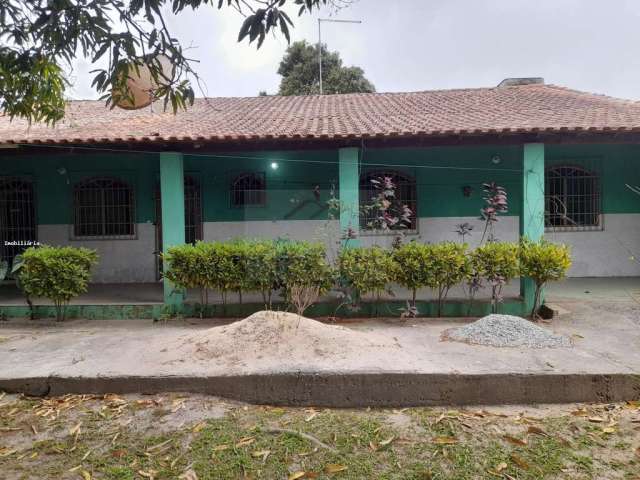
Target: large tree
x=39 y=39
x=300 y=71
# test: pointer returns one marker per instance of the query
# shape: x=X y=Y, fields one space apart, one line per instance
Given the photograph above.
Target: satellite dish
x=141 y=84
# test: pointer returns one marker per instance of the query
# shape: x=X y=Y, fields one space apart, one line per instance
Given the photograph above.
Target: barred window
x=249 y=189
x=405 y=194
x=17 y=216
x=103 y=209
x=572 y=199
x=192 y=210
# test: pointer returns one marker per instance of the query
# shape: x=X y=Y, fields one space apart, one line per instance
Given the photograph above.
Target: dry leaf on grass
x=519 y=461
x=261 y=453
x=188 y=475
x=537 y=431
x=515 y=441
x=86 y=475
x=245 y=441
x=296 y=475
x=334 y=468
x=445 y=440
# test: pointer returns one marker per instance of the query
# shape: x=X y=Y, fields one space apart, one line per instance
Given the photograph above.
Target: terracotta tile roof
x=511 y=109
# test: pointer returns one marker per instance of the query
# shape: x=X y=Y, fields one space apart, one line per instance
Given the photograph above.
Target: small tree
x=413 y=262
x=57 y=273
x=448 y=265
x=543 y=262
x=495 y=199
x=498 y=263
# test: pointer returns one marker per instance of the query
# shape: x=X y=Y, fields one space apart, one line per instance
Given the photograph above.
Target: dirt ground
x=177 y=436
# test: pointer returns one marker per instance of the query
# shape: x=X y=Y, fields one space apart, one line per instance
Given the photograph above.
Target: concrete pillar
x=532 y=208
x=172 y=203
x=349 y=191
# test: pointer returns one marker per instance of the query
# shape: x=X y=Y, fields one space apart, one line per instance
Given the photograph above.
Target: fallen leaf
x=245 y=441
x=334 y=468
x=189 y=475
x=519 y=461
x=296 y=475
x=86 y=475
x=158 y=446
x=75 y=429
x=219 y=448
x=596 y=419
x=537 y=431
x=118 y=453
x=445 y=440
x=386 y=442
x=501 y=467
x=199 y=427
x=514 y=440
x=608 y=430
x=261 y=453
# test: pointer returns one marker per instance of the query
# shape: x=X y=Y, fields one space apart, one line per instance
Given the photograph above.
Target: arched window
x=572 y=199
x=249 y=189
x=405 y=194
x=17 y=216
x=103 y=208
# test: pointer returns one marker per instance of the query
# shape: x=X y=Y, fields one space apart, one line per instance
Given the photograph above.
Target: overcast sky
x=411 y=45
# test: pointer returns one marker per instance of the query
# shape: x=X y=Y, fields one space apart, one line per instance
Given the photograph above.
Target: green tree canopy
x=300 y=72
x=39 y=39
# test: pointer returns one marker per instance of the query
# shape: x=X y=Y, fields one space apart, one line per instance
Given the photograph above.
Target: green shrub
x=367 y=269
x=261 y=268
x=543 y=262
x=302 y=264
x=57 y=273
x=498 y=263
x=187 y=267
x=448 y=265
x=413 y=266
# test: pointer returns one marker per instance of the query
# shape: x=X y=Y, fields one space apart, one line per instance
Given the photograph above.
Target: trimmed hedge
x=268 y=267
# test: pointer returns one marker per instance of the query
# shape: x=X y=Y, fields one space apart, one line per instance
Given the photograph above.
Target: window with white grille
x=249 y=189
x=572 y=199
x=103 y=209
x=17 y=216
x=405 y=194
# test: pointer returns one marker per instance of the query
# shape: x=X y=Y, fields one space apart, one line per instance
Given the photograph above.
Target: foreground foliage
x=199 y=438
x=40 y=39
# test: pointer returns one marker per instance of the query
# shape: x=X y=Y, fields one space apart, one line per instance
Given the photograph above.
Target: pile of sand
x=279 y=339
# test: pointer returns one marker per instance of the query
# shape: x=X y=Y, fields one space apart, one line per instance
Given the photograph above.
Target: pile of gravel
x=507 y=331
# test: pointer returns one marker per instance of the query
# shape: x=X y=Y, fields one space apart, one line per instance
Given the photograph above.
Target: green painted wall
x=54 y=190
x=291 y=184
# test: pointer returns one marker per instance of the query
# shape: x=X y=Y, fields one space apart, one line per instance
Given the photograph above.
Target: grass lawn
x=192 y=437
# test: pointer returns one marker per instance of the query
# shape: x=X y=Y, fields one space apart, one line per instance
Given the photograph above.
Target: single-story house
x=132 y=183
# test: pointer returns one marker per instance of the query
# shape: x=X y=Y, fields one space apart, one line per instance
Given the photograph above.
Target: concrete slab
x=133 y=356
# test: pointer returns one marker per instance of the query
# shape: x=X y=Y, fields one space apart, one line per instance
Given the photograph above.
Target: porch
x=130 y=207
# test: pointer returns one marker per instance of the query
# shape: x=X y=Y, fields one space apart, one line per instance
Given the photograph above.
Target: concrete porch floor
x=131 y=356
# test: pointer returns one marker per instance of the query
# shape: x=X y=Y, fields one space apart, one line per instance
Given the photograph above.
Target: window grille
x=103 y=209
x=249 y=189
x=572 y=199
x=192 y=210
x=17 y=216
x=405 y=193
